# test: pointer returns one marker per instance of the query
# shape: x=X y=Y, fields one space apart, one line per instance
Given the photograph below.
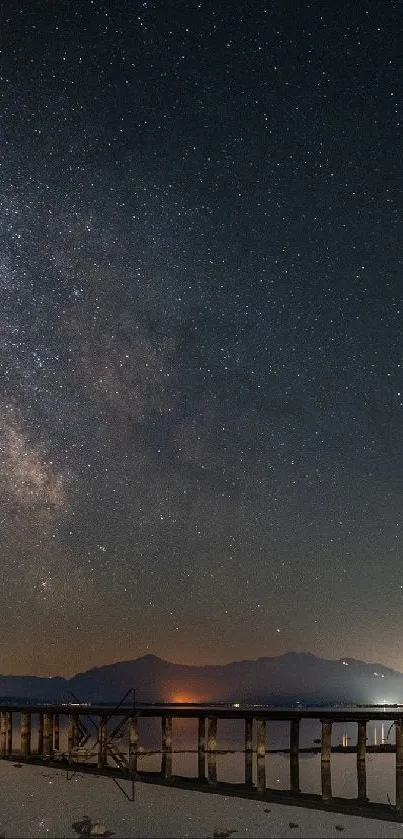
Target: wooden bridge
x=94 y=734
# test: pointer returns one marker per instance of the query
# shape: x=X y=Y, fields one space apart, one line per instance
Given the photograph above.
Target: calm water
x=230 y=767
x=380 y=768
x=43 y=801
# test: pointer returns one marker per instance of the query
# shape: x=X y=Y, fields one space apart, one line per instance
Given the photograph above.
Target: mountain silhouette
x=282 y=679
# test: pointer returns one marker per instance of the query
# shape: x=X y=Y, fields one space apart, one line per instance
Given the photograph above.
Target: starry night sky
x=201 y=392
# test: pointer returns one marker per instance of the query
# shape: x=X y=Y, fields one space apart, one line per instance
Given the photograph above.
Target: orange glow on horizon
x=180 y=698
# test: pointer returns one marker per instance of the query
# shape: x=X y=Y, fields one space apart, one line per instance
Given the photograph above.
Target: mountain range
x=288 y=678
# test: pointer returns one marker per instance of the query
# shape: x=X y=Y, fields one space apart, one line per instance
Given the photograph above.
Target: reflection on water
x=230 y=764
x=380 y=772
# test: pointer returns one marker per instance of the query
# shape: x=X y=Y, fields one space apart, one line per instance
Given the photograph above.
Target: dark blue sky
x=201 y=367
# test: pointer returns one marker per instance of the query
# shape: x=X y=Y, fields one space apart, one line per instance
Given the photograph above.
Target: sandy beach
x=41 y=802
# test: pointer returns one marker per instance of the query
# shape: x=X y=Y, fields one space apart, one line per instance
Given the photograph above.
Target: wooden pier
x=92 y=739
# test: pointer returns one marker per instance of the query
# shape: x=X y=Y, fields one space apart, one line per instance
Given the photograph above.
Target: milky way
x=201 y=357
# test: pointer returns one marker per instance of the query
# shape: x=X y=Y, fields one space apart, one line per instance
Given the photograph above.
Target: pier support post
x=201 y=748
x=261 y=773
x=294 y=737
x=249 y=769
x=362 y=781
x=294 y=774
x=201 y=734
x=326 y=779
x=70 y=733
x=48 y=734
x=166 y=724
x=294 y=755
x=399 y=791
x=212 y=734
x=261 y=738
x=361 y=740
x=249 y=751
x=326 y=750
x=40 y=734
x=102 y=741
x=326 y=746
x=76 y=732
x=3 y=739
x=133 y=745
x=56 y=732
x=212 y=767
x=9 y=732
x=166 y=765
x=248 y=734
x=399 y=765
x=201 y=766
x=26 y=733
x=166 y=759
x=72 y=736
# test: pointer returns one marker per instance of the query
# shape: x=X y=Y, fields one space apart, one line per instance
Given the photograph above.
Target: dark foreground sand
x=40 y=802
